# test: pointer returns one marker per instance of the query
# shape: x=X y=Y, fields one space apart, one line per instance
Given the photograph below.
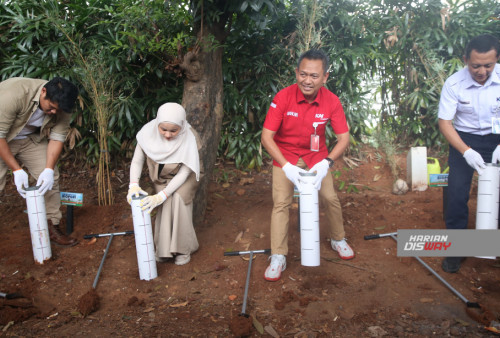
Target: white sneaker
x=182 y=259
x=343 y=249
x=273 y=271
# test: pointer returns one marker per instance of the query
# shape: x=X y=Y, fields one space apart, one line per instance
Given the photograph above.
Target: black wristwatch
x=330 y=162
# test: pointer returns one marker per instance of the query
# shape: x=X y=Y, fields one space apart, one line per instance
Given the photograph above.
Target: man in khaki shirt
x=34 y=121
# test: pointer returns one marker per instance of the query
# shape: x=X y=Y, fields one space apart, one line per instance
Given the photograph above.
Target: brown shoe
x=58 y=237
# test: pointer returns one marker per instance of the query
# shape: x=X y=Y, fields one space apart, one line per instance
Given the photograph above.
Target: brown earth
x=375 y=294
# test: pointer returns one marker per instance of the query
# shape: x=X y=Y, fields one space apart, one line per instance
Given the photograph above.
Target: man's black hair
x=62 y=92
x=315 y=54
x=482 y=44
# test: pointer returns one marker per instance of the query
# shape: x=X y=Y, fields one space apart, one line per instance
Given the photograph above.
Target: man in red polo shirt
x=294 y=136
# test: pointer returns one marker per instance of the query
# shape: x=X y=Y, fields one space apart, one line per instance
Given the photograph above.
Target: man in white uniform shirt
x=469 y=108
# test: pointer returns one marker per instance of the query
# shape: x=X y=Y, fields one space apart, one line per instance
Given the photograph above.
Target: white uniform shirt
x=470 y=104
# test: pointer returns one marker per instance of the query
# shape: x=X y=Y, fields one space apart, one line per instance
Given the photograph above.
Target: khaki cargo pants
x=282 y=199
x=33 y=156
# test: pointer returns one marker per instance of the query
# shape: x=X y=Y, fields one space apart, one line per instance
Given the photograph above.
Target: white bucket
x=309 y=222
x=144 y=244
x=39 y=230
x=488 y=192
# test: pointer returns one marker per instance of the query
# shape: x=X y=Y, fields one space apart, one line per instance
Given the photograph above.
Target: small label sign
x=71 y=198
x=438 y=180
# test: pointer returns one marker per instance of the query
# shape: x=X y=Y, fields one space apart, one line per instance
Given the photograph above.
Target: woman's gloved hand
x=134 y=190
x=150 y=202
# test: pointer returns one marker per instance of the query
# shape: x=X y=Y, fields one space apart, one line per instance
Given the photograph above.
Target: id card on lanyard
x=315 y=138
x=495 y=120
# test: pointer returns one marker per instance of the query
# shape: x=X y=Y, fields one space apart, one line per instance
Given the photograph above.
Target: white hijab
x=181 y=149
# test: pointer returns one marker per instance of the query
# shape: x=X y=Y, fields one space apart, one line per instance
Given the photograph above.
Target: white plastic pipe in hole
x=40 y=239
x=488 y=191
x=144 y=244
x=309 y=222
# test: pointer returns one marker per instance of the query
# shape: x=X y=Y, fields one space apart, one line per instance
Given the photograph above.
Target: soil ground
x=375 y=294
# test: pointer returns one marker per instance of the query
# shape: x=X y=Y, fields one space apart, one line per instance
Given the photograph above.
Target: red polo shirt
x=292 y=118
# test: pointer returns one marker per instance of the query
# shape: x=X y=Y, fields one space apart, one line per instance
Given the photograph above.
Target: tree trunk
x=202 y=99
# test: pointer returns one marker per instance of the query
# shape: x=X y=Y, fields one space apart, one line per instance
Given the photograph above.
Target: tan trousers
x=282 y=199
x=33 y=156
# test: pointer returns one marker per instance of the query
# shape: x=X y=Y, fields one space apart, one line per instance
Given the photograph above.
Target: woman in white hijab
x=169 y=146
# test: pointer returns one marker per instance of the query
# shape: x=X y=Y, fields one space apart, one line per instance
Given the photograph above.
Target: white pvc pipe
x=144 y=244
x=488 y=192
x=40 y=239
x=309 y=222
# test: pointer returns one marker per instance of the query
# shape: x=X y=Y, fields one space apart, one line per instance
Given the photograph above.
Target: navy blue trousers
x=460 y=177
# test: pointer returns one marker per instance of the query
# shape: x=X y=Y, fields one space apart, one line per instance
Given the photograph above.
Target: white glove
x=134 y=190
x=45 y=181
x=496 y=155
x=21 y=179
x=475 y=160
x=292 y=173
x=321 y=169
x=151 y=202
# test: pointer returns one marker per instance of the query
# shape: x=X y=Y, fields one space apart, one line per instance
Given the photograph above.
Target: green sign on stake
x=70 y=199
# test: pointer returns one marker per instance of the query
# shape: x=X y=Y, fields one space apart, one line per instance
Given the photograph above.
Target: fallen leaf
x=492 y=329
x=269 y=329
x=149 y=309
x=376 y=167
x=53 y=315
x=247 y=258
x=226 y=185
x=240 y=234
x=377 y=177
x=380 y=228
x=240 y=192
x=92 y=241
x=246 y=180
x=179 y=304
x=258 y=326
x=232 y=297
x=462 y=322
x=9 y=324
x=426 y=300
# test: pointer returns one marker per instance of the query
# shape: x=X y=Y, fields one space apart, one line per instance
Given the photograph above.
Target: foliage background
x=389 y=59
